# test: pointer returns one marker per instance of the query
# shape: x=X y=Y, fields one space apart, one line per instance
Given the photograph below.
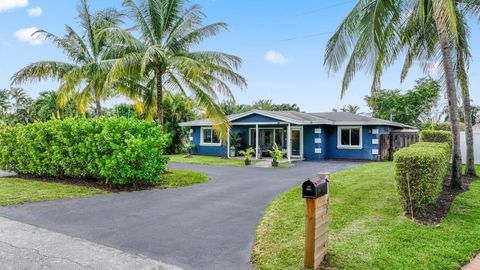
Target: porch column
x=289 y=142
x=256 y=141
x=228 y=142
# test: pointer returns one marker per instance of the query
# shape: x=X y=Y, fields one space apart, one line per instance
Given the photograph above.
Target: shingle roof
x=302 y=118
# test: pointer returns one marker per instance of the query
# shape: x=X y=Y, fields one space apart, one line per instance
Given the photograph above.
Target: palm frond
x=39 y=71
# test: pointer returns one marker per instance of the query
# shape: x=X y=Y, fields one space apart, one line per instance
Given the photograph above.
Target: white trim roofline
x=275 y=116
x=285 y=120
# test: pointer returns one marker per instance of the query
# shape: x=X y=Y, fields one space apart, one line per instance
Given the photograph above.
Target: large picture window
x=209 y=137
x=350 y=137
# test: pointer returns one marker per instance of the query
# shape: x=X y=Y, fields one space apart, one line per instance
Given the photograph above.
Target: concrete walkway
x=203 y=227
x=473 y=265
x=27 y=247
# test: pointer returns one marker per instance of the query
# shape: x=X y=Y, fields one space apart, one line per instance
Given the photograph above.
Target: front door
x=296 y=143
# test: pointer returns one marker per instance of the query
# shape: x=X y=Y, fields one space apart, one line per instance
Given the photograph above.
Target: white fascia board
x=266 y=114
x=258 y=123
x=368 y=123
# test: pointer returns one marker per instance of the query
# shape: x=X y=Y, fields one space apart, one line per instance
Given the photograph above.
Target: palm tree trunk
x=470 y=162
x=453 y=107
x=467 y=110
x=98 y=108
x=159 y=99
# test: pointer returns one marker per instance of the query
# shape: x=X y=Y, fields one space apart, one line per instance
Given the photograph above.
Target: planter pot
x=274 y=163
x=248 y=162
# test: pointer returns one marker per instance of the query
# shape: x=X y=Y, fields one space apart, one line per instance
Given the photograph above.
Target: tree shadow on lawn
x=108 y=187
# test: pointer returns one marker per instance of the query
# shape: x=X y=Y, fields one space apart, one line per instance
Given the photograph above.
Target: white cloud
x=276 y=58
x=26 y=35
x=6 y=5
x=34 y=12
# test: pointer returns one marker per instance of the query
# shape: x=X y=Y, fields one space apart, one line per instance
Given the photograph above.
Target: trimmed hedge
x=116 y=151
x=419 y=172
x=437 y=136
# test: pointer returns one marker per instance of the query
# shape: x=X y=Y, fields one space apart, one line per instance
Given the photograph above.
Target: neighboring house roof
x=302 y=118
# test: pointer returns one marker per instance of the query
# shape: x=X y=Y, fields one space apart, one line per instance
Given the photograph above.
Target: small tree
x=277 y=155
x=248 y=155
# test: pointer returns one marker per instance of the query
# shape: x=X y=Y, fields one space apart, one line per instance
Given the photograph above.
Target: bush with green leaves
x=115 y=151
x=248 y=153
x=419 y=173
x=277 y=153
x=438 y=136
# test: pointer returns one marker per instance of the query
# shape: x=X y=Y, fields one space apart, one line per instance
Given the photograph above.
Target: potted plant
x=235 y=143
x=248 y=155
x=277 y=155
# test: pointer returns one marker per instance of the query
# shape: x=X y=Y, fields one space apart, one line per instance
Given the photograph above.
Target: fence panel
x=476 y=146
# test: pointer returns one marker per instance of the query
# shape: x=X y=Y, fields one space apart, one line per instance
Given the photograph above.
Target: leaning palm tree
x=90 y=53
x=376 y=32
x=163 y=60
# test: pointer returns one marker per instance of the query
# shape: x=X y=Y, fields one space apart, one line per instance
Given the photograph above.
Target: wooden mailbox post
x=316 y=221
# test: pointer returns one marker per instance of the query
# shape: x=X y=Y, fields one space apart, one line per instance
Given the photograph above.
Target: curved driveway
x=207 y=226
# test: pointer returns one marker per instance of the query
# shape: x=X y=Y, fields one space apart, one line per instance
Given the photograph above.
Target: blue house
x=309 y=136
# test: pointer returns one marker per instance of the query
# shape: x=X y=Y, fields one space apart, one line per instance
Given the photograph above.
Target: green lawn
x=181 y=178
x=285 y=165
x=367 y=229
x=16 y=190
x=208 y=160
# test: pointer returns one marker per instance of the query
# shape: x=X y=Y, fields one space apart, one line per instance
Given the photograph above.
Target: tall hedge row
x=438 y=136
x=419 y=172
x=117 y=151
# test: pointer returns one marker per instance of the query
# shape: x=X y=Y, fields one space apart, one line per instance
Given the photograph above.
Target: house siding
x=310 y=143
x=368 y=147
x=327 y=143
x=205 y=150
x=255 y=118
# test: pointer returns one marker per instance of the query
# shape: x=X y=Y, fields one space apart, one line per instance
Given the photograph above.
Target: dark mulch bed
x=435 y=213
x=92 y=183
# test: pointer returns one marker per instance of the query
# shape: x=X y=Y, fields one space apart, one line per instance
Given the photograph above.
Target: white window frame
x=250 y=139
x=339 y=138
x=208 y=144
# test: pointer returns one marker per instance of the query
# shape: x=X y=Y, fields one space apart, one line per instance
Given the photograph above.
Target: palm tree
x=4 y=102
x=90 y=53
x=161 y=58
x=350 y=108
x=376 y=32
x=18 y=96
x=45 y=108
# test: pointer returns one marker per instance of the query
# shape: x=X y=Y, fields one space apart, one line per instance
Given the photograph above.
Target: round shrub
x=419 y=172
x=438 y=136
x=116 y=151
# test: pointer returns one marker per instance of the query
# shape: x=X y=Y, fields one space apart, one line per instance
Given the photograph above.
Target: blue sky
x=282 y=43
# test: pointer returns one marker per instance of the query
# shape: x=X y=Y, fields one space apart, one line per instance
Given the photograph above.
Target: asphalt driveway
x=207 y=226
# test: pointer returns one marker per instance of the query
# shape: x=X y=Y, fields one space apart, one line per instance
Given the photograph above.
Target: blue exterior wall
x=309 y=143
x=255 y=118
x=327 y=146
x=205 y=150
x=367 y=144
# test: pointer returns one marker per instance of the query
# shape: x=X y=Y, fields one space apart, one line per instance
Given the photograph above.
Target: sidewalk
x=473 y=265
x=27 y=247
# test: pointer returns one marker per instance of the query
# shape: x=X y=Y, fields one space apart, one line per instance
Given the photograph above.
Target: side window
x=209 y=137
x=349 y=137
